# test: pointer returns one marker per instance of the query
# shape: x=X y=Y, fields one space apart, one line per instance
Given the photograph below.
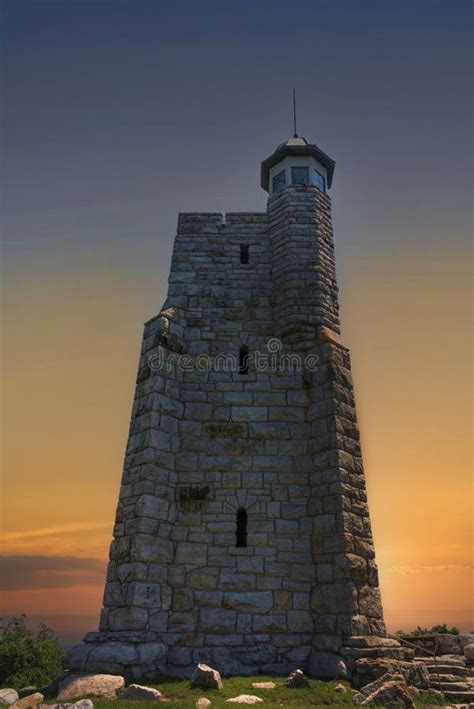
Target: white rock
x=8 y=696
x=245 y=699
x=81 y=704
x=141 y=693
x=203 y=703
x=106 y=686
x=297 y=679
x=340 y=688
x=263 y=685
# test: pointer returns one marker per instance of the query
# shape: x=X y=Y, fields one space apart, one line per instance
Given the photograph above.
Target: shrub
x=435 y=630
x=27 y=657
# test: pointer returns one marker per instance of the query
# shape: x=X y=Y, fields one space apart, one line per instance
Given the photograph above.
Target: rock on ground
x=263 y=685
x=30 y=702
x=447 y=644
x=391 y=693
x=466 y=639
x=297 y=679
x=8 y=696
x=245 y=699
x=390 y=690
x=206 y=678
x=76 y=685
x=81 y=704
x=141 y=693
x=203 y=703
x=369 y=669
x=469 y=652
x=340 y=688
x=376 y=684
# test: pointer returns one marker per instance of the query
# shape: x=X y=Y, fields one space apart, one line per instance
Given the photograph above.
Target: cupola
x=297 y=162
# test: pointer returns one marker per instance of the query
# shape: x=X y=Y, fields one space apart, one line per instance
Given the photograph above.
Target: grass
x=180 y=695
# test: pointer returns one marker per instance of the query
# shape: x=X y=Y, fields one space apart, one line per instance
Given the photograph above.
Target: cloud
x=24 y=573
x=59 y=540
x=53 y=531
x=409 y=569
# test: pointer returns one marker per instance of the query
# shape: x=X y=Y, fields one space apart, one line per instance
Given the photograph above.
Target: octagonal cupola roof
x=296 y=146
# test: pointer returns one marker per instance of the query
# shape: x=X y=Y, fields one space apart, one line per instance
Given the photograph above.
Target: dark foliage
x=435 y=630
x=28 y=657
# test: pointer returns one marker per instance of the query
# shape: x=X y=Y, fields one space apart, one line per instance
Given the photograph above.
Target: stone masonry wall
x=282 y=445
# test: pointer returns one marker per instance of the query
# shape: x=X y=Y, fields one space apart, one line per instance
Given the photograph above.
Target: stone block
x=214 y=620
x=369 y=602
x=210 y=599
x=269 y=430
x=249 y=601
x=300 y=621
x=143 y=594
x=271 y=623
x=147 y=548
x=198 y=412
x=182 y=622
x=182 y=599
x=191 y=553
x=127 y=618
x=286 y=413
x=337 y=597
x=350 y=567
x=151 y=654
x=229 y=581
x=202 y=578
x=249 y=413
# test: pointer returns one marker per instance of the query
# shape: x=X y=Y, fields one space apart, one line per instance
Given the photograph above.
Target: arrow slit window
x=244 y=360
x=244 y=253
x=241 y=531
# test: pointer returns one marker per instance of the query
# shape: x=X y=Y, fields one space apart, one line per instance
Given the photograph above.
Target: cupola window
x=241 y=531
x=319 y=180
x=279 y=181
x=300 y=175
x=244 y=253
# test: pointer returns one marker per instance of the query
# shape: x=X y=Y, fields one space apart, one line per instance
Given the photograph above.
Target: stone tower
x=242 y=536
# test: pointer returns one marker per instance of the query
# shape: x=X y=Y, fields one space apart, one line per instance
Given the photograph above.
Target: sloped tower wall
x=206 y=442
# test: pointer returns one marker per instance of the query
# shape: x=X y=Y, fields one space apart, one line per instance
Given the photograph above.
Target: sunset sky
x=120 y=113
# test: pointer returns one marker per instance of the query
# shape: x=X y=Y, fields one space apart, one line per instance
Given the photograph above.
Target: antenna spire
x=295 y=134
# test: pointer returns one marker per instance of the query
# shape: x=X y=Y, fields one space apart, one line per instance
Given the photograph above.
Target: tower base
x=145 y=655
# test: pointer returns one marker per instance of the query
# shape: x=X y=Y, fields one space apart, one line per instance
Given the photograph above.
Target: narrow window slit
x=241 y=532
x=244 y=360
x=244 y=253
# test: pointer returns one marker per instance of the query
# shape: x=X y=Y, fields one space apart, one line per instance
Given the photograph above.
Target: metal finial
x=295 y=134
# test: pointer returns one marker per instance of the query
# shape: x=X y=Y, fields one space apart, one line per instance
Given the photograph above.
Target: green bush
x=435 y=630
x=28 y=657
